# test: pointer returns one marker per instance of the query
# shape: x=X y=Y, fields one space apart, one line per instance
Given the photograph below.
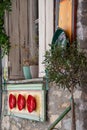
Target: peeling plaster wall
x=58 y=100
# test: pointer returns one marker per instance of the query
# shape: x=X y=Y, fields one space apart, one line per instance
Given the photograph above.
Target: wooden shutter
x=18 y=32
x=21 y=31
x=67 y=17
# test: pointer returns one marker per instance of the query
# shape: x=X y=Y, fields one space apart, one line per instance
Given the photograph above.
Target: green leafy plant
x=4 y=39
x=66 y=66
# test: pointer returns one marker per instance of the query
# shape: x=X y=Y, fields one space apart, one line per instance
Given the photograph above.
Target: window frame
x=46 y=29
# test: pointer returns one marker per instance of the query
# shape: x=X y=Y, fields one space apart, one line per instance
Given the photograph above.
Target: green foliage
x=4 y=39
x=65 y=66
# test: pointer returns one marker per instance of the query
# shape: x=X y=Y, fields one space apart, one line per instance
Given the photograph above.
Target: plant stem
x=73 y=125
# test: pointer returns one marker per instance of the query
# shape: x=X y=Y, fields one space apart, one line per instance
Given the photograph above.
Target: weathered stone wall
x=0 y=85
x=82 y=23
x=82 y=38
x=58 y=100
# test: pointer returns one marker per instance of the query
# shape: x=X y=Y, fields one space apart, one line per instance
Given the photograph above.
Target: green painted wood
x=25 y=87
x=26 y=116
x=35 y=80
x=59 y=118
x=44 y=106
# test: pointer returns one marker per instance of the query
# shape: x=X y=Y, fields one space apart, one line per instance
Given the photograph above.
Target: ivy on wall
x=5 y=5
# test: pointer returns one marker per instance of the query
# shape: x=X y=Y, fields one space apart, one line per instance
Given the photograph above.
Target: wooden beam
x=74 y=20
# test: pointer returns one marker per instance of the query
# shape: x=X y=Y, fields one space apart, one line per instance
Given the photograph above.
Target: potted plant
x=30 y=64
x=66 y=66
x=26 y=69
x=30 y=56
x=34 y=66
x=30 y=68
x=34 y=57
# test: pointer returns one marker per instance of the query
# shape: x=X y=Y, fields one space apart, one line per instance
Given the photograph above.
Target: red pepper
x=31 y=103
x=12 y=101
x=21 y=102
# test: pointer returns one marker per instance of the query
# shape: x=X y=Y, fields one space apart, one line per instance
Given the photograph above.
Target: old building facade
x=56 y=99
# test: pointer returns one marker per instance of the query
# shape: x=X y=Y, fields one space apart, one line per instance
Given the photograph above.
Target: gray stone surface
x=67 y=124
x=82 y=37
x=82 y=23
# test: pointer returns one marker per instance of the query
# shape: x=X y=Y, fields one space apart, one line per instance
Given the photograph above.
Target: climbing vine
x=5 y=5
